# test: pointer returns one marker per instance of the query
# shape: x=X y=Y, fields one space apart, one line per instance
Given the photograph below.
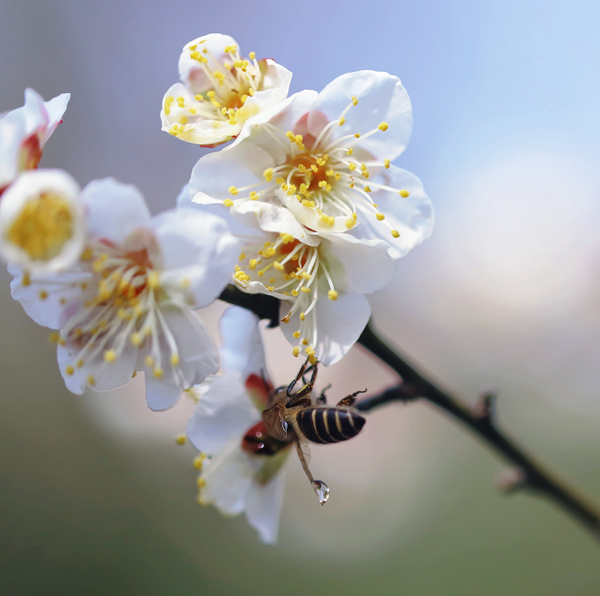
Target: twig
x=481 y=421
x=525 y=473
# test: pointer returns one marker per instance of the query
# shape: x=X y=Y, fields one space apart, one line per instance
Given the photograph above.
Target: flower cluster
x=305 y=205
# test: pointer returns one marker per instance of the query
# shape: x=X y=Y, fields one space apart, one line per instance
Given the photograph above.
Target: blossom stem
x=480 y=420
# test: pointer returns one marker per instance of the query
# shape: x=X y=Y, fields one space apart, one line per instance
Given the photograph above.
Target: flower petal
x=55 y=108
x=357 y=266
x=228 y=479
x=114 y=209
x=106 y=375
x=242 y=348
x=412 y=216
x=48 y=298
x=215 y=173
x=198 y=251
x=381 y=98
x=263 y=507
x=339 y=324
x=224 y=413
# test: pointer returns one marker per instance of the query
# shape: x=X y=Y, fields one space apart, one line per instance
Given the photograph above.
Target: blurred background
x=96 y=498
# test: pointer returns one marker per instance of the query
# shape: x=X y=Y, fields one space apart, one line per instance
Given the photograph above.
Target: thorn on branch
x=511 y=481
x=485 y=406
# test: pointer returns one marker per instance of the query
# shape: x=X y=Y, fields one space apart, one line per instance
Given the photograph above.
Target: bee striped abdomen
x=329 y=425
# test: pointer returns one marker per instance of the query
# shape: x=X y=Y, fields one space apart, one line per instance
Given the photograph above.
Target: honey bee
x=300 y=417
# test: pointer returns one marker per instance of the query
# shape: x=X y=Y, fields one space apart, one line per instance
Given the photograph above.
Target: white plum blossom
x=331 y=154
x=127 y=305
x=220 y=91
x=24 y=132
x=42 y=222
x=241 y=465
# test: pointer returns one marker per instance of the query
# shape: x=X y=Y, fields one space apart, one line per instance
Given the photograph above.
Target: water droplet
x=322 y=491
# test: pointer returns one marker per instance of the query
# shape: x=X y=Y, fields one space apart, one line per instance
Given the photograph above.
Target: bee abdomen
x=329 y=425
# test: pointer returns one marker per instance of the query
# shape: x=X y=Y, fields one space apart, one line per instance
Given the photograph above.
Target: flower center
x=43 y=227
x=232 y=83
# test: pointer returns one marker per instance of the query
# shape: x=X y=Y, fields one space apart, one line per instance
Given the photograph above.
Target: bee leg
x=291 y=386
x=349 y=400
x=320 y=488
x=322 y=399
x=308 y=387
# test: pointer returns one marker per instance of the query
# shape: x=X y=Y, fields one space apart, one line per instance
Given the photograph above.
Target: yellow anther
x=252 y=263
x=158 y=373
x=110 y=355
x=251 y=91
x=254 y=196
x=395 y=233
x=294 y=293
x=181 y=439
x=312 y=359
x=54 y=337
x=43 y=294
x=380 y=216
x=404 y=193
x=268 y=174
x=352 y=166
x=314 y=168
x=199 y=97
x=149 y=361
x=194 y=55
x=69 y=370
x=26 y=280
x=296 y=334
x=287 y=238
x=354 y=101
x=252 y=55
x=228 y=203
x=136 y=339
x=153 y=280
x=242 y=256
x=342 y=121
x=180 y=101
x=79 y=363
x=296 y=351
x=350 y=223
x=199 y=461
x=278 y=266
x=386 y=163
x=200 y=483
x=383 y=126
x=192 y=48
x=174 y=359
x=284 y=187
x=233 y=190
x=357 y=135
x=305 y=290
x=91 y=381
x=302 y=316
x=333 y=295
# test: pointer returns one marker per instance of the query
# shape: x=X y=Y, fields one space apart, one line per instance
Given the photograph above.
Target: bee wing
x=275 y=423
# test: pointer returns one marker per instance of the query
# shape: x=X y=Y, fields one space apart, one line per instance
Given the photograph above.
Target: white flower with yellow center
x=241 y=466
x=24 y=132
x=219 y=91
x=127 y=304
x=331 y=154
x=42 y=222
x=320 y=281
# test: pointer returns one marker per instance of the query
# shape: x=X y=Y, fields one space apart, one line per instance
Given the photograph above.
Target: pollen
x=404 y=193
x=395 y=233
x=332 y=294
x=268 y=174
x=228 y=203
x=383 y=126
x=199 y=461
x=380 y=216
x=386 y=164
x=296 y=351
x=43 y=227
x=354 y=101
x=181 y=439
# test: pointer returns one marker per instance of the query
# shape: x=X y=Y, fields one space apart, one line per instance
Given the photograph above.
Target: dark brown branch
x=527 y=473
x=480 y=421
